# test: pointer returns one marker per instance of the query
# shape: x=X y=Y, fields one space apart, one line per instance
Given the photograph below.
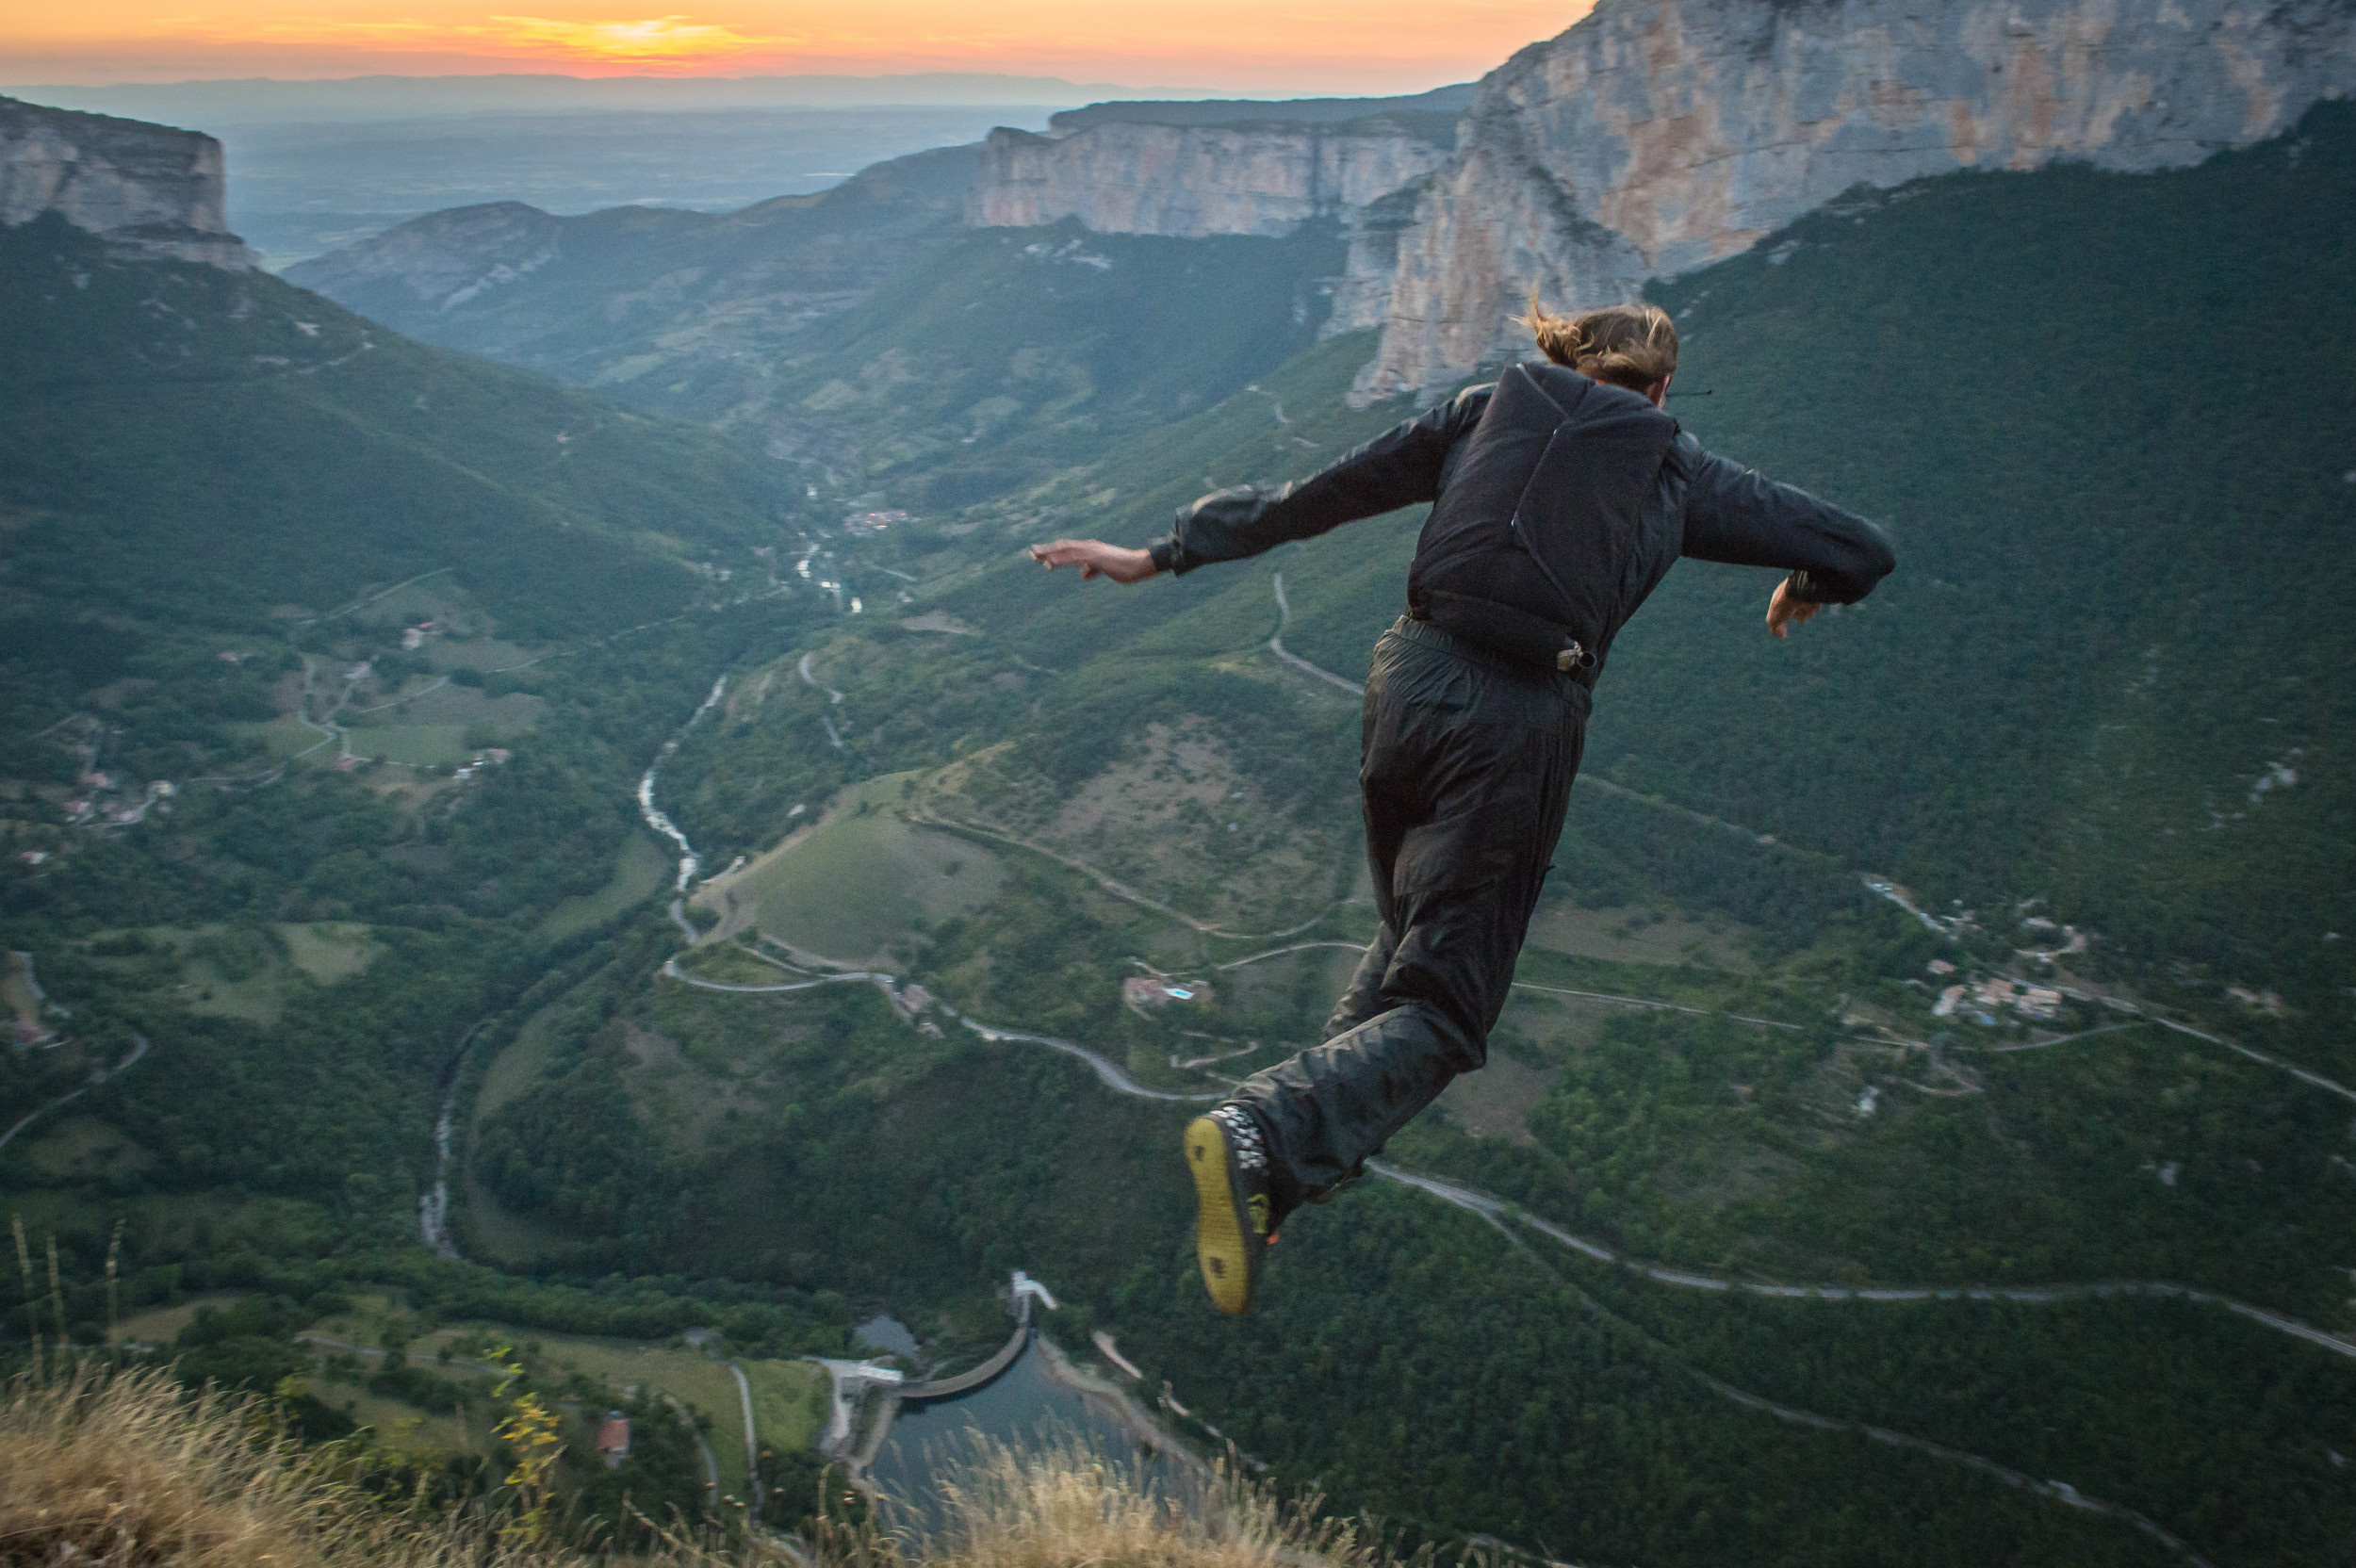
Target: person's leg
x=1465 y=776
x=1364 y=997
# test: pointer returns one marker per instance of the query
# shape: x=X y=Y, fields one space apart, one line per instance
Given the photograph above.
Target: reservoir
x=1025 y=1407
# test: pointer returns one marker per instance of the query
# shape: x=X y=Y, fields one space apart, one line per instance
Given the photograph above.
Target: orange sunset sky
x=1236 y=45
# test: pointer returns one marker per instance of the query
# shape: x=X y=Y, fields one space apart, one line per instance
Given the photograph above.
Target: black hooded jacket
x=1559 y=503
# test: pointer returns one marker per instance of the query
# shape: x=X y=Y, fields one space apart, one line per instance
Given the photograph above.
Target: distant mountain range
x=263 y=100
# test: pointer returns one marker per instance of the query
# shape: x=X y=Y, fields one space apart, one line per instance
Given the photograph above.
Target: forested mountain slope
x=863 y=334
x=327 y=663
x=2088 y=727
x=174 y=419
x=576 y=296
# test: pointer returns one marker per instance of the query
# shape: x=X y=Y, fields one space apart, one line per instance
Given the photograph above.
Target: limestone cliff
x=1189 y=181
x=149 y=190
x=1658 y=136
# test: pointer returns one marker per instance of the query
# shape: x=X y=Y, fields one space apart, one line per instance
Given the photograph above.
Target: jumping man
x=1561 y=496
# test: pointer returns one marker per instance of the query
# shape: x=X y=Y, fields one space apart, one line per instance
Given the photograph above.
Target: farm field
x=329 y=951
x=161 y=1323
x=705 y=1386
x=1636 y=933
x=847 y=887
x=640 y=871
x=789 y=1397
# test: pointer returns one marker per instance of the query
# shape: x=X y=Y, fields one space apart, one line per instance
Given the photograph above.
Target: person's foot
x=1235 y=1218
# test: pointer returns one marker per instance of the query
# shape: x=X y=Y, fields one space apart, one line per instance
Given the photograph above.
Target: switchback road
x=138 y=1048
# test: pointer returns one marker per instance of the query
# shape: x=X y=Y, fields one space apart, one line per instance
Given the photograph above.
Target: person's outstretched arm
x=1400 y=468
x=1736 y=515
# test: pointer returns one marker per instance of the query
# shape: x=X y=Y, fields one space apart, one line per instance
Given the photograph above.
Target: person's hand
x=1095 y=558
x=1785 y=611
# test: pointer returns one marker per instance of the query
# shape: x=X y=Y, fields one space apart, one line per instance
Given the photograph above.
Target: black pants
x=1465 y=769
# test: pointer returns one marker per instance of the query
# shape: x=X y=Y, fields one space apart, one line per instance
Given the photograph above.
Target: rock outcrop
x=1437 y=108
x=1190 y=181
x=1658 y=136
x=1190 y=170
x=150 y=191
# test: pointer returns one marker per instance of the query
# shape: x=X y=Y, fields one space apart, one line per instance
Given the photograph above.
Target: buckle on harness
x=1574 y=658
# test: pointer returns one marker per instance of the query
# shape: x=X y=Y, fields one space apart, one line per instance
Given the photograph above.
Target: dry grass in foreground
x=127 y=1470
x=1066 y=1507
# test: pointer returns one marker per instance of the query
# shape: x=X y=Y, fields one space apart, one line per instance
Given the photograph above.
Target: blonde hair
x=1633 y=346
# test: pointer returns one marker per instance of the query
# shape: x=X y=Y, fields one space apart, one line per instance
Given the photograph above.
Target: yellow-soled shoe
x=1235 y=1219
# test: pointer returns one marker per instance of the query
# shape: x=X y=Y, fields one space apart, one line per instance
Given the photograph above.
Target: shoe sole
x=1223 y=1245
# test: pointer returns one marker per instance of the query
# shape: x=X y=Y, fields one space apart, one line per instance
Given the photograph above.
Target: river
x=688 y=863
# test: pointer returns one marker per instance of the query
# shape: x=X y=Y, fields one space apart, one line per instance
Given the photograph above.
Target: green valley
x=1921 y=1130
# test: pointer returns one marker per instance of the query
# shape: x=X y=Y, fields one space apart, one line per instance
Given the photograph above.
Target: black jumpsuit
x=1469 y=746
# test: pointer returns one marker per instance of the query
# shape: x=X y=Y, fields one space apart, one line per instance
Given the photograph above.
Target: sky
x=1308 y=46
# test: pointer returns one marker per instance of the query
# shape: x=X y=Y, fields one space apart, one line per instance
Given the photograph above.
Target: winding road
x=2298 y=1073
x=671 y=970
x=98 y=1077
x=752 y=1441
x=810 y=680
x=834 y=736
x=1499 y=1213
x=326 y=726
x=1280 y=951
x=1555 y=991
x=1498 y=1210
x=1111 y=1076
x=1276 y=646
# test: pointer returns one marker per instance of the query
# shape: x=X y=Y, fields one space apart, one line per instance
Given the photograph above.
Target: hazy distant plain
x=296 y=191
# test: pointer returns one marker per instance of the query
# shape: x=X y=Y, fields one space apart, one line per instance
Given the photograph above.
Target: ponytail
x=1633 y=346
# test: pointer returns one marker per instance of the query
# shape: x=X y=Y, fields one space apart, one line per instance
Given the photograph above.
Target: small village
x=866 y=525
x=1143 y=993
x=1982 y=1000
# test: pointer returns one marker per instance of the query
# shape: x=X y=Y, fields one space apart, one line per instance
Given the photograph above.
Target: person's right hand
x=1786 y=610
x=1095 y=558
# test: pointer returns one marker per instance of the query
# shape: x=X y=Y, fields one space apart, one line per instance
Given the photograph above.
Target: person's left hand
x=1095 y=558
x=1785 y=611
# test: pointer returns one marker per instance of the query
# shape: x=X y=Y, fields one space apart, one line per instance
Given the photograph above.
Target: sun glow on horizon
x=671 y=39
x=1378 y=45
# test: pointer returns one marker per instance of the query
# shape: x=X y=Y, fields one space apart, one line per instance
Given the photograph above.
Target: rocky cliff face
x=1658 y=136
x=150 y=191
x=1189 y=181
